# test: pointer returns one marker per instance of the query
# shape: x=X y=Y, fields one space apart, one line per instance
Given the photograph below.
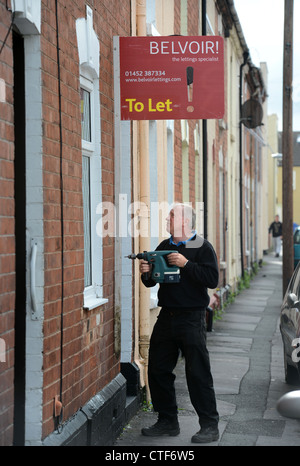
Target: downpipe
x=144 y=240
x=245 y=56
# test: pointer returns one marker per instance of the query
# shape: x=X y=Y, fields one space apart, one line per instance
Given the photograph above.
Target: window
x=91 y=190
x=85 y=103
x=86 y=135
x=295 y=285
x=86 y=192
x=297 y=237
x=89 y=52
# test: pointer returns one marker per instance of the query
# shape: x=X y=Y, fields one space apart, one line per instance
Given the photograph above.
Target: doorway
x=20 y=239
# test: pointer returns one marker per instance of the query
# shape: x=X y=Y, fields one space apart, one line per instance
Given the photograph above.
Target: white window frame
x=93 y=294
x=89 y=66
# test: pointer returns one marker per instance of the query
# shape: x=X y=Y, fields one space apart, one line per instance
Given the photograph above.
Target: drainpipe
x=143 y=151
x=245 y=56
x=204 y=140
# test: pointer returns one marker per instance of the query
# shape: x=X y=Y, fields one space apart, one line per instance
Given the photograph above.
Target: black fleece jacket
x=201 y=272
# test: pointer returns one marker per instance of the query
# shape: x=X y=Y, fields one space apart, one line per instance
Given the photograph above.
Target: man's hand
x=177 y=259
x=145 y=267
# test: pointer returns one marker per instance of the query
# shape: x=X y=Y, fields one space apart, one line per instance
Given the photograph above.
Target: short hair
x=188 y=212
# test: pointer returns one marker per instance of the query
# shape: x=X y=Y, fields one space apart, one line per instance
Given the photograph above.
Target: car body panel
x=290 y=321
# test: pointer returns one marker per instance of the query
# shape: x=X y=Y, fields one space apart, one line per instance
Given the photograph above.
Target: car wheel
x=291 y=373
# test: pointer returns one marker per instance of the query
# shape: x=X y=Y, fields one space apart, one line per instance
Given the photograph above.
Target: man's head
x=181 y=221
x=276 y=218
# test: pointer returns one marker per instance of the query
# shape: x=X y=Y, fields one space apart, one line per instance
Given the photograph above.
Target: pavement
x=246 y=356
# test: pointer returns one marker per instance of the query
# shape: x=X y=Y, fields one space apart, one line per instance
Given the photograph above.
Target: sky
x=262 y=22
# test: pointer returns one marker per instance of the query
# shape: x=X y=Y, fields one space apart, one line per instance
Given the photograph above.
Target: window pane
x=297 y=237
x=85 y=108
x=87 y=220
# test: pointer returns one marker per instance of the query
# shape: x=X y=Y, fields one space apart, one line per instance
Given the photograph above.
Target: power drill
x=161 y=271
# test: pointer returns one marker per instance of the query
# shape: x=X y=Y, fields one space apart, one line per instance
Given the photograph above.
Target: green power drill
x=161 y=271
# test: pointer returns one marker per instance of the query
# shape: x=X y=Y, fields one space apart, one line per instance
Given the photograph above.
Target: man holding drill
x=181 y=325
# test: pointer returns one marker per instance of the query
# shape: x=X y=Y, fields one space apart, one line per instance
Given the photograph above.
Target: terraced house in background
x=74 y=323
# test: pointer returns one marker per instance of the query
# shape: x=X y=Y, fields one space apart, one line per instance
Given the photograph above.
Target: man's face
x=175 y=222
x=276 y=218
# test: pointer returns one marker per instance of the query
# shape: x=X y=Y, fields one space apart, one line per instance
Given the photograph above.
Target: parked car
x=289 y=405
x=296 y=246
x=290 y=329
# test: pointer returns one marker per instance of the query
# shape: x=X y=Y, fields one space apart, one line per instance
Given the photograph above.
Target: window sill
x=92 y=303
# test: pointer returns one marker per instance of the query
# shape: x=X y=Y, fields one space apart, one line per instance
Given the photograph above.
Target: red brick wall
x=177 y=128
x=7 y=240
x=177 y=9
x=89 y=360
x=72 y=210
x=193 y=29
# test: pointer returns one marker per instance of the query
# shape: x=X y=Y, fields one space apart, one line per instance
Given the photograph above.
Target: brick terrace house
x=74 y=322
x=57 y=164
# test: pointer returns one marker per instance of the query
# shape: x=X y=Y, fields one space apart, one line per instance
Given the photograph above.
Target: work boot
x=162 y=427
x=206 y=435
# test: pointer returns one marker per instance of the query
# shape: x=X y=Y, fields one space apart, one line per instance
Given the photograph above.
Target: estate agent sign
x=174 y=77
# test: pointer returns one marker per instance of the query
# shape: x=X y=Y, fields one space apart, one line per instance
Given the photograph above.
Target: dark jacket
x=276 y=229
x=201 y=272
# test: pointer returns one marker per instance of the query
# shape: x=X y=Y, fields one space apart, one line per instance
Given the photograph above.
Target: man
x=181 y=326
x=276 y=230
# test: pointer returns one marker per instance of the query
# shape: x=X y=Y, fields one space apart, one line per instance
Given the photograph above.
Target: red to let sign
x=173 y=77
